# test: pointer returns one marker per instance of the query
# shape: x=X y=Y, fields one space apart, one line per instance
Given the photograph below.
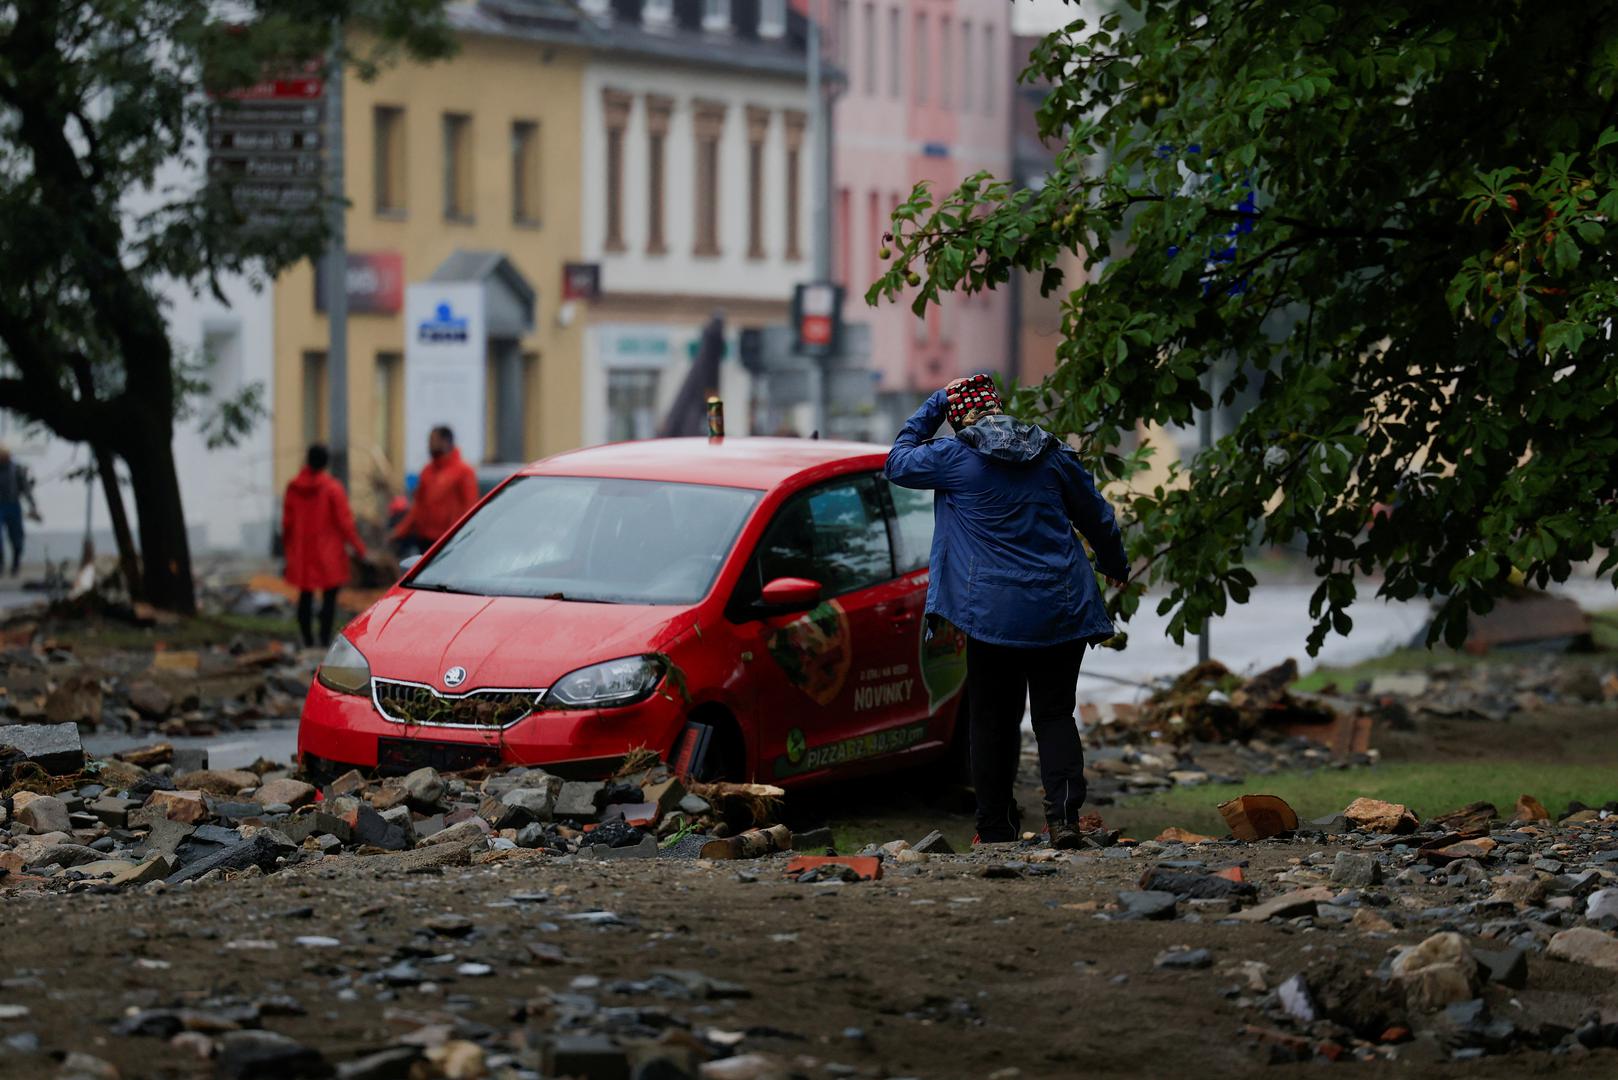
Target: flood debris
x=1258 y=817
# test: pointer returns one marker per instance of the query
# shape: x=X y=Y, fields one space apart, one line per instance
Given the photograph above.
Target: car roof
x=733 y=461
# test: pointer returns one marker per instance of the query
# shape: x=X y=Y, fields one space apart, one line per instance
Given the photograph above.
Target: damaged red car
x=745 y=608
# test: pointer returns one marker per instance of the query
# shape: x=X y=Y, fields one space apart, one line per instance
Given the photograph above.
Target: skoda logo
x=454 y=677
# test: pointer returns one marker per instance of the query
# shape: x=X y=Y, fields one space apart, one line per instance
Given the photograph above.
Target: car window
x=592 y=538
x=913 y=527
x=834 y=534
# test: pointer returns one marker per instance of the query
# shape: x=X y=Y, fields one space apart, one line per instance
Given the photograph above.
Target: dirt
x=944 y=972
x=1582 y=733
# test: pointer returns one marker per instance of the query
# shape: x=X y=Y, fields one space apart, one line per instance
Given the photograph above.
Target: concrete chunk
x=53 y=747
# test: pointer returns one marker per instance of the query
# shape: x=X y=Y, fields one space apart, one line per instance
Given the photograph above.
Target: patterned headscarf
x=975 y=394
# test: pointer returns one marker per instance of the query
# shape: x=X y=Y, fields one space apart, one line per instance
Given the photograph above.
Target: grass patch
x=1427 y=788
x=1604 y=629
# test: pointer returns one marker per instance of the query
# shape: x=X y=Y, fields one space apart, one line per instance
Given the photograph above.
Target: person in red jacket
x=316 y=524
x=446 y=489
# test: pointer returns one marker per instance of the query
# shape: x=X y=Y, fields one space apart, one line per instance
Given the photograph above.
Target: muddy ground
x=932 y=971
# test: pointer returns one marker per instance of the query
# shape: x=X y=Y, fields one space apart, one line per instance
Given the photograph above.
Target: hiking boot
x=1065 y=837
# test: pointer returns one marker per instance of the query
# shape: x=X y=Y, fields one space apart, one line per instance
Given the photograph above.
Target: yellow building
x=470 y=165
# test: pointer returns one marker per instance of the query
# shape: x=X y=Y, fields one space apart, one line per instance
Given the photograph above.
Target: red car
x=749 y=608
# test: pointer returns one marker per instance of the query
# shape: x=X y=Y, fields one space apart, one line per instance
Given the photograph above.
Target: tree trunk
x=128 y=558
x=165 y=550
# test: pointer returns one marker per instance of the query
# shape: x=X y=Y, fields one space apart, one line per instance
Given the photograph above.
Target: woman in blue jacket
x=1008 y=570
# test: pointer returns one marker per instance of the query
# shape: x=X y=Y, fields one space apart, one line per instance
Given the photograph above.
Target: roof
x=737 y=461
x=462 y=265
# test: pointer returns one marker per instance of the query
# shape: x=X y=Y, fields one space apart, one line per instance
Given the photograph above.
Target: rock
x=577 y=800
x=645 y=849
x=53 y=747
x=1518 y=890
x=1193 y=885
x=1184 y=959
x=666 y=795
x=1331 y=823
x=424 y=789
x=1529 y=808
x=1601 y=908
x=293 y=793
x=66 y=855
x=372 y=828
x=76 y=701
x=1585 y=945
x=1508 y=966
x=450 y=924
x=150 y=700
x=394 y=1063
x=1374 y=815
x=165 y=837
x=78 y=1065
x=458 y=1059
x=190 y=759
x=1146 y=905
x=1399 y=684
x=1440 y=971
x=186 y=806
x=816 y=840
x=1366 y=920
x=267 y=1055
x=1473 y=819
x=156 y=868
x=1356 y=870
x=41 y=813
x=1297 y=1001
x=931 y=844
x=119 y=775
x=261 y=851
x=1255 y=817
x=216 y=781
x=461 y=832
x=694 y=805
x=1287 y=906
x=592 y=1055
x=318 y=823
x=112 y=811
x=538 y=802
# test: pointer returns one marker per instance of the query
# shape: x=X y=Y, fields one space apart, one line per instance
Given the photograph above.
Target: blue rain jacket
x=1007 y=567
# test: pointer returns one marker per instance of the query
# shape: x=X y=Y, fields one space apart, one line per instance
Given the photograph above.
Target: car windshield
x=593 y=539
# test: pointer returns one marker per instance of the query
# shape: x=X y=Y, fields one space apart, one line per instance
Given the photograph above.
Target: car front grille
x=416 y=703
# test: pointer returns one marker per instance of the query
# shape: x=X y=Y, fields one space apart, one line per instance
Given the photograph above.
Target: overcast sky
x=1041 y=16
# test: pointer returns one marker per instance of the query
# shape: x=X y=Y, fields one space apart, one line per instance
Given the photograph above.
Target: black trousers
x=999 y=679
x=306 y=616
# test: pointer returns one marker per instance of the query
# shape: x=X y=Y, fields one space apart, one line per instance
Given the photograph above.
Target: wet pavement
x=276 y=740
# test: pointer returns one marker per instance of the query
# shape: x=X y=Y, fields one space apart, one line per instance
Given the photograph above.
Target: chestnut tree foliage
x=103 y=130
x=1392 y=223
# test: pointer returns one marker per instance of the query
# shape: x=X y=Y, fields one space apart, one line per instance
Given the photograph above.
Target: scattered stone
x=1198 y=886
x=1356 y=870
x=217 y=781
x=1368 y=921
x=1297 y=1001
x=424 y=789
x=1149 y=904
x=1529 y=808
x=1374 y=815
x=395 y=1063
x=318 y=823
x=150 y=700
x=931 y=844
x=1508 y=966
x=41 y=813
x=577 y=800
x=694 y=805
x=53 y=747
x=372 y=828
x=183 y=806
x=538 y=803
x=1585 y=945
x=1183 y=959
x=1601 y=908
x=261 y=851
x=1287 y=906
x=1438 y=972
x=293 y=793
x=263 y=1055
x=1470 y=820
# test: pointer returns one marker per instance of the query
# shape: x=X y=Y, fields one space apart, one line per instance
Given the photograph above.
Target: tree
x=1394 y=223
x=104 y=101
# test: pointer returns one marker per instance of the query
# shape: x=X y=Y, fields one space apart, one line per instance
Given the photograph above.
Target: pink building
x=928 y=96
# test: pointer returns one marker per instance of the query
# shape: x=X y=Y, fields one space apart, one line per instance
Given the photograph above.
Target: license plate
x=405 y=755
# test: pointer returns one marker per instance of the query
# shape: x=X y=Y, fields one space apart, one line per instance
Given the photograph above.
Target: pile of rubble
x=169 y=692
x=1496 y=898
x=1488 y=692
x=161 y=815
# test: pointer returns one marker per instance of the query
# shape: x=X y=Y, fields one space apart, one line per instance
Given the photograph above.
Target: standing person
x=446 y=489
x=16 y=488
x=316 y=524
x=1008 y=571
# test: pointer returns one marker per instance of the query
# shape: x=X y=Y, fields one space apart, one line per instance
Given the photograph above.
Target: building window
x=658 y=110
x=895 y=76
x=525 y=172
x=845 y=237
x=842 y=41
x=314 y=398
x=870 y=49
x=795 y=123
x=387 y=122
x=631 y=404
x=657 y=12
x=458 y=166
x=387 y=410
x=617 y=107
x=758 y=127
x=991 y=67
x=772 y=18
x=710 y=125
x=946 y=42
x=964 y=76
x=873 y=242
x=716 y=16
x=919 y=52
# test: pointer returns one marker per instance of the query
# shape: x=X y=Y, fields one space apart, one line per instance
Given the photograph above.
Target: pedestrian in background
x=16 y=488
x=316 y=528
x=445 y=490
x=1008 y=571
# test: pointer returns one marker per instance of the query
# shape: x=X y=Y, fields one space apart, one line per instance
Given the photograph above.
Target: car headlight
x=616 y=682
x=345 y=669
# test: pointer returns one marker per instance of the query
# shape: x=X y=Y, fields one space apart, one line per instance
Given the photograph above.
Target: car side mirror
x=790 y=594
x=407 y=562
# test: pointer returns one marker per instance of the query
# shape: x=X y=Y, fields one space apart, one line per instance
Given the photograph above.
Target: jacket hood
x=308 y=481
x=1003 y=438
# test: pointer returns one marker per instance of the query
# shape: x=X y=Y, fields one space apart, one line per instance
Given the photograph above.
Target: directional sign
x=265 y=147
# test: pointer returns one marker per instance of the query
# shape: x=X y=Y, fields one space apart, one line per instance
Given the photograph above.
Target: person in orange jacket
x=316 y=525
x=446 y=489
